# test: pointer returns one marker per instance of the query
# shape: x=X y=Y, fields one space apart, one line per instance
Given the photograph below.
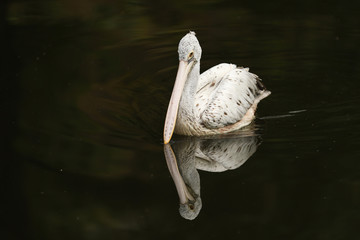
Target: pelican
x=220 y=100
x=184 y=159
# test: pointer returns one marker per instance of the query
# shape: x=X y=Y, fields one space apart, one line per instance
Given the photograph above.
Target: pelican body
x=222 y=99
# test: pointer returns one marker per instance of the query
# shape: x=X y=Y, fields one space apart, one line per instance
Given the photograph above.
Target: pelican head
x=190 y=210
x=189 y=54
x=189 y=48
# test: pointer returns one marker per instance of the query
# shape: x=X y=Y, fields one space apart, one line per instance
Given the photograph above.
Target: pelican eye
x=191 y=55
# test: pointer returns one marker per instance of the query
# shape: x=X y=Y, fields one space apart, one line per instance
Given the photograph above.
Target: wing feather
x=231 y=98
x=208 y=82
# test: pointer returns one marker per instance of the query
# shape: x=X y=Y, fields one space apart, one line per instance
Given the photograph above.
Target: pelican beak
x=171 y=115
x=182 y=189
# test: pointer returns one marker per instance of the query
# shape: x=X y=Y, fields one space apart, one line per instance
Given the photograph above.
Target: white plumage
x=222 y=99
x=211 y=155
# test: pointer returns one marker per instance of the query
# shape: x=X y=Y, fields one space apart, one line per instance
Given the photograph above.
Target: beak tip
x=166 y=141
x=168 y=132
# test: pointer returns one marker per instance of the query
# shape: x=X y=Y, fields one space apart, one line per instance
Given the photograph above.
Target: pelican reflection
x=185 y=157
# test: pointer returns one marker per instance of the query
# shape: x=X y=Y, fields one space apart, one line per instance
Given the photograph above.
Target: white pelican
x=221 y=100
x=185 y=158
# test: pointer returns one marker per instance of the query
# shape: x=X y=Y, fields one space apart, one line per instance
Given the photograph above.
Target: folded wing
x=231 y=95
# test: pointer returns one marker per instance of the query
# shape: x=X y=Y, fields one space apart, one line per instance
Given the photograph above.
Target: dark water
x=85 y=87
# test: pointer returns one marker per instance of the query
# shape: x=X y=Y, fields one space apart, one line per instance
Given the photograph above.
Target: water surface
x=86 y=91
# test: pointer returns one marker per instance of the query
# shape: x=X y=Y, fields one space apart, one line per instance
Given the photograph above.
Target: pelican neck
x=188 y=96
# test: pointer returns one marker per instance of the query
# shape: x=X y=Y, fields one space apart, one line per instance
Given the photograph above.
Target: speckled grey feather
x=222 y=99
x=212 y=155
